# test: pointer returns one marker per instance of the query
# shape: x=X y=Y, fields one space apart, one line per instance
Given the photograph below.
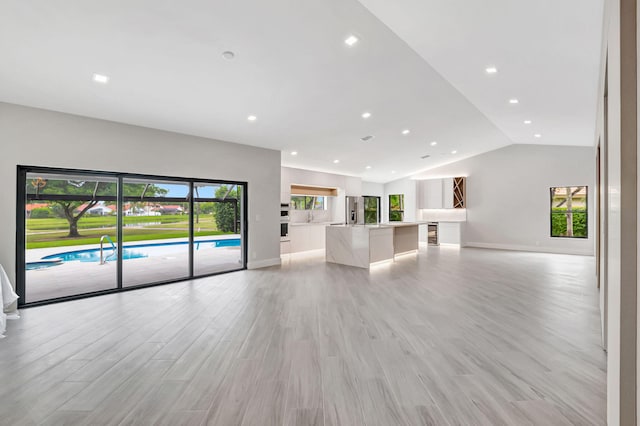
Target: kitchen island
x=362 y=245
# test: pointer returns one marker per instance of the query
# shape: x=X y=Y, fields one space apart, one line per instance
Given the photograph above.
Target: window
x=396 y=208
x=371 y=209
x=308 y=202
x=569 y=212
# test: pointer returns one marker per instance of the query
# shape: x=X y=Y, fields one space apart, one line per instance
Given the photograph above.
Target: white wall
x=38 y=137
x=408 y=187
x=508 y=195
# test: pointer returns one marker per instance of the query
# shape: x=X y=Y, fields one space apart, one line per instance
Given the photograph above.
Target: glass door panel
x=371 y=210
x=218 y=244
x=66 y=218
x=155 y=231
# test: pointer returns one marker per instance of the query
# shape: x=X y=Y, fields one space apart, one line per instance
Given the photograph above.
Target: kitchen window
x=306 y=202
x=396 y=208
x=569 y=216
x=371 y=209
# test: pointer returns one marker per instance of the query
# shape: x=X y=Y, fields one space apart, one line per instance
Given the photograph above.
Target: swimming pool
x=41 y=264
x=130 y=252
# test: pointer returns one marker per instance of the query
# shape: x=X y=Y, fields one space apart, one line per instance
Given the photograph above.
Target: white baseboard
x=536 y=249
x=257 y=264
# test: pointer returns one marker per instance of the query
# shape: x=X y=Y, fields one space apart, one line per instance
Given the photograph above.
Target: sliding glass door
x=155 y=231
x=96 y=232
x=66 y=216
x=218 y=242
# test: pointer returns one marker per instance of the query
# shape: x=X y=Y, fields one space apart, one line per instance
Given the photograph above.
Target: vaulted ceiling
x=418 y=65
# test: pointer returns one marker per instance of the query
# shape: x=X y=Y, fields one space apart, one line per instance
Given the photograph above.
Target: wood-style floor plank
x=447 y=337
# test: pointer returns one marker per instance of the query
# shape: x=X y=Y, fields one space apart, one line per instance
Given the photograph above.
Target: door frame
x=21 y=202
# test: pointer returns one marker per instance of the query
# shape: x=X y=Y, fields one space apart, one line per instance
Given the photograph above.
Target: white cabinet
x=447 y=193
x=421 y=194
x=307 y=237
x=435 y=194
x=285 y=197
x=430 y=194
x=285 y=186
x=449 y=232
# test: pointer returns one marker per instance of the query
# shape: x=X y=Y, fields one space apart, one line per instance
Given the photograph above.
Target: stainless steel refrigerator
x=355 y=210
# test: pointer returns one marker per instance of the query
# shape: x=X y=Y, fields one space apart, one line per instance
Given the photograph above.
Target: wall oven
x=284 y=212
x=284 y=222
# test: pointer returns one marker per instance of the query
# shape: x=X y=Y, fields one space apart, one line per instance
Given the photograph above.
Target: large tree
x=85 y=195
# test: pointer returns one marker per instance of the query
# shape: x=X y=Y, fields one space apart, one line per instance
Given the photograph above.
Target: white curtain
x=8 y=297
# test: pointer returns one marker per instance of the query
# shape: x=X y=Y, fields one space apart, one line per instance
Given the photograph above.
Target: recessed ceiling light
x=368 y=167
x=406 y=131
x=336 y=161
x=527 y=121
x=537 y=135
x=366 y=115
x=454 y=152
x=294 y=152
x=252 y=118
x=491 y=70
x=228 y=55
x=434 y=143
x=351 y=40
x=393 y=171
x=100 y=78
x=514 y=101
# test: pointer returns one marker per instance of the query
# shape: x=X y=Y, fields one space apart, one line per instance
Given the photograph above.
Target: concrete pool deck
x=75 y=277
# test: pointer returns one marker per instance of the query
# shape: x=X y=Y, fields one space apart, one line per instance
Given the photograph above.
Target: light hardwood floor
x=450 y=337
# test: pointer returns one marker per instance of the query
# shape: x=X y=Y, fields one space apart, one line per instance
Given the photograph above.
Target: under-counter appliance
x=355 y=210
x=432 y=234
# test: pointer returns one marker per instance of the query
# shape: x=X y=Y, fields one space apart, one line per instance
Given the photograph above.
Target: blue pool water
x=129 y=252
x=43 y=264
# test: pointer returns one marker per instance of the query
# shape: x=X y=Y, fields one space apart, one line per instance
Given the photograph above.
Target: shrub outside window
x=396 y=208
x=307 y=202
x=569 y=215
x=371 y=209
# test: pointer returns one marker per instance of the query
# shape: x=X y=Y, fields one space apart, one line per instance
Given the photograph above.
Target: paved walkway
x=76 y=277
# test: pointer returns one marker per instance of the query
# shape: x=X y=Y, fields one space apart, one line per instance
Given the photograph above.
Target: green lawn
x=52 y=232
x=106 y=221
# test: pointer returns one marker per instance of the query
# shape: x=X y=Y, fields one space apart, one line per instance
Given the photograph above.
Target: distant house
x=136 y=210
x=98 y=210
x=171 y=210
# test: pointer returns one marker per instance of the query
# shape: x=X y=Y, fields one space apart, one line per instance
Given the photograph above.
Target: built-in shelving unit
x=444 y=193
x=459 y=193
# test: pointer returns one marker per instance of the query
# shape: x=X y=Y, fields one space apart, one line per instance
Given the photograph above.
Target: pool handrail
x=113 y=246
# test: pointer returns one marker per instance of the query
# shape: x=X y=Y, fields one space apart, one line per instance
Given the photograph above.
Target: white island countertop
x=314 y=223
x=362 y=245
x=379 y=225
